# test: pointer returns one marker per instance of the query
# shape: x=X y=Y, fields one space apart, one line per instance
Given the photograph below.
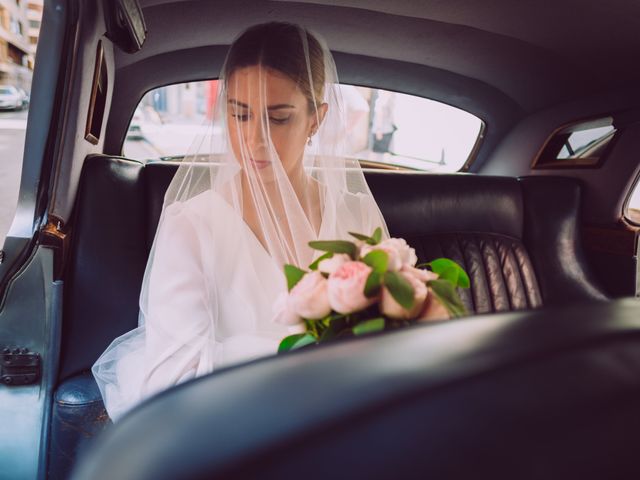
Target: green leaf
x=314 y=265
x=327 y=334
x=335 y=323
x=303 y=341
x=290 y=341
x=377 y=235
x=372 y=285
x=378 y=260
x=335 y=246
x=447 y=294
x=293 y=274
x=399 y=288
x=369 y=326
x=359 y=236
x=449 y=270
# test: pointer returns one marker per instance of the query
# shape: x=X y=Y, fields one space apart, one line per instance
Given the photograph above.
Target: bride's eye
x=242 y=117
x=280 y=120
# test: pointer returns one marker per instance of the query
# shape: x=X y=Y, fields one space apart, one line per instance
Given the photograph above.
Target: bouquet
x=364 y=286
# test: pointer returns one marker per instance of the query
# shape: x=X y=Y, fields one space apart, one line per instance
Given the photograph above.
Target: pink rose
x=309 y=297
x=282 y=312
x=346 y=288
x=330 y=265
x=393 y=309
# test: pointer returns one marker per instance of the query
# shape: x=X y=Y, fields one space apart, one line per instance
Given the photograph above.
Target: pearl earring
x=309 y=142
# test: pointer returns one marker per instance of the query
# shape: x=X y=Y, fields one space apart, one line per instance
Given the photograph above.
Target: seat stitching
x=522 y=277
x=496 y=246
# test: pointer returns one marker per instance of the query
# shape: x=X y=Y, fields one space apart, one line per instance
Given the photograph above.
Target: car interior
x=541 y=379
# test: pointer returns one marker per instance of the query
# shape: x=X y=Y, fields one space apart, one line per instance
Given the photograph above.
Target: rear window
x=386 y=129
x=583 y=144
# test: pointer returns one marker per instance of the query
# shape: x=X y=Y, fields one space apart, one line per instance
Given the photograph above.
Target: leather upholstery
x=517 y=239
x=476 y=221
x=78 y=414
x=551 y=393
x=157 y=179
x=107 y=260
x=552 y=236
x=418 y=204
x=501 y=274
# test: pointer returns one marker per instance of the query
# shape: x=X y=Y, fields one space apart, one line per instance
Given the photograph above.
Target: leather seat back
x=477 y=221
x=517 y=238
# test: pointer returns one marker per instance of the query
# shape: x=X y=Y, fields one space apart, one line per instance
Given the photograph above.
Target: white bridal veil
x=269 y=176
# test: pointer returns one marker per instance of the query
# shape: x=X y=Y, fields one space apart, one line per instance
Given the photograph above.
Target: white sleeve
x=180 y=332
x=175 y=340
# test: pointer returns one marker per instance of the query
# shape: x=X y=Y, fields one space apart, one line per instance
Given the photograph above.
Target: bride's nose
x=257 y=135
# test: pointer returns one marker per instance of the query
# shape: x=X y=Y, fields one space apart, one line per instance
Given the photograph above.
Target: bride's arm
x=177 y=308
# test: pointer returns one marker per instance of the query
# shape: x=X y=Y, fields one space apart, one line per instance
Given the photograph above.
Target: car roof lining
x=483 y=67
x=534 y=66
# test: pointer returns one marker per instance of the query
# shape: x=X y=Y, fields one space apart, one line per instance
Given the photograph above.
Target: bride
x=268 y=177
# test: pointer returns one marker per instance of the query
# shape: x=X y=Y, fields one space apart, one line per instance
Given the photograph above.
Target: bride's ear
x=322 y=112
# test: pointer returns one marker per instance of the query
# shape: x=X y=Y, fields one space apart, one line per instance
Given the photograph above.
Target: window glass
x=578 y=145
x=17 y=55
x=633 y=205
x=386 y=129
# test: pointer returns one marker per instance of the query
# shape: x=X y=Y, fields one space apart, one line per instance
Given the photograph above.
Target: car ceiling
x=524 y=67
x=536 y=53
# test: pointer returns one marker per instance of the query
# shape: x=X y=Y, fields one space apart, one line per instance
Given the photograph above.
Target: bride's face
x=266 y=109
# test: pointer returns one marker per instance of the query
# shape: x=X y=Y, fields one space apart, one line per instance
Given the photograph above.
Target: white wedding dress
x=192 y=326
x=210 y=285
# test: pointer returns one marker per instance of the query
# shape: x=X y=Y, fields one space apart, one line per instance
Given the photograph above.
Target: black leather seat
x=78 y=415
x=495 y=396
x=517 y=238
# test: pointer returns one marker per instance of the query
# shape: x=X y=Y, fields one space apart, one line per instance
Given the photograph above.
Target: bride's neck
x=307 y=191
x=298 y=178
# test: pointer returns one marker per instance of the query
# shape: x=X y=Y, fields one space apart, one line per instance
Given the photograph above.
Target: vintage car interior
x=541 y=380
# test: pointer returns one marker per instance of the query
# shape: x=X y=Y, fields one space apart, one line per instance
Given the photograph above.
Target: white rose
x=330 y=265
x=422 y=275
x=393 y=309
x=405 y=252
x=309 y=297
x=394 y=262
x=398 y=251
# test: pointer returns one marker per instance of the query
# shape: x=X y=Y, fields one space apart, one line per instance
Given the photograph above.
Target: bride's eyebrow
x=279 y=106
x=237 y=103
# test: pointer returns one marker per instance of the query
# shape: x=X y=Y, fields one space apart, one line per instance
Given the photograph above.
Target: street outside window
x=385 y=128
x=19 y=32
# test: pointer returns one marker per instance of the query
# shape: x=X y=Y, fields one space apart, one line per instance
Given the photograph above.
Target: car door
x=30 y=294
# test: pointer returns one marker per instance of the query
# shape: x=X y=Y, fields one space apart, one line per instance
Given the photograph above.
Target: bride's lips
x=260 y=164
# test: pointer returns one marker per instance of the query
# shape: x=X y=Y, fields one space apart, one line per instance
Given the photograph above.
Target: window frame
x=543 y=160
x=365 y=163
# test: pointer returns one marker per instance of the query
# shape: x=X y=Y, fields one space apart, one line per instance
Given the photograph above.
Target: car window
x=582 y=144
x=632 y=209
x=19 y=31
x=386 y=129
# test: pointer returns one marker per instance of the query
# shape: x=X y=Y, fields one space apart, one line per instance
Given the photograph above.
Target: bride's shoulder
x=199 y=205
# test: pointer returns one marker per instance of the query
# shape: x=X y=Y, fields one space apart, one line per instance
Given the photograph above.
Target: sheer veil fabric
x=269 y=176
